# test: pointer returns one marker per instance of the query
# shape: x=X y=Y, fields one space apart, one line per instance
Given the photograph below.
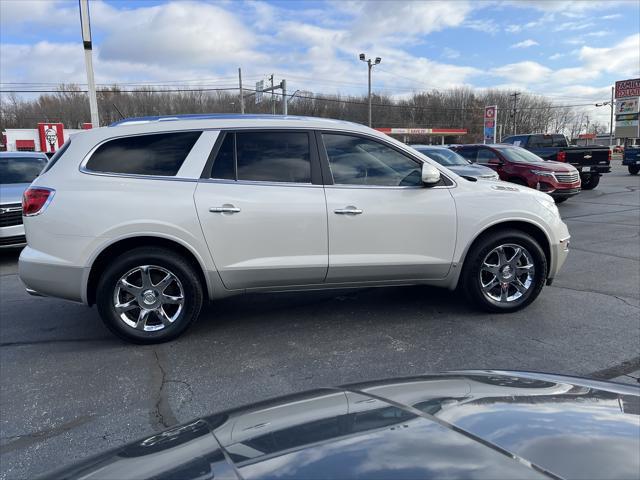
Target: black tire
x=188 y=285
x=561 y=199
x=470 y=282
x=634 y=169
x=589 y=182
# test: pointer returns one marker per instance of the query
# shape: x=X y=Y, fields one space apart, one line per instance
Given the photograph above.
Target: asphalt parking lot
x=69 y=389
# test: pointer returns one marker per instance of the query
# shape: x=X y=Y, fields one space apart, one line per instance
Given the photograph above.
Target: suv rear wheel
x=634 y=169
x=504 y=271
x=149 y=295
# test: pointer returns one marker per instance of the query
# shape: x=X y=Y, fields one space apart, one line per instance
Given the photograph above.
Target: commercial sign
x=628 y=88
x=627 y=108
x=51 y=136
x=259 y=89
x=490 y=116
x=423 y=131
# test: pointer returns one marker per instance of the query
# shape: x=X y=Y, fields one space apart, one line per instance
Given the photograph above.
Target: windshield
x=517 y=154
x=20 y=169
x=444 y=156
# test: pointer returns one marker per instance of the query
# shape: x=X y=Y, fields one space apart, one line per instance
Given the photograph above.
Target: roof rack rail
x=209 y=116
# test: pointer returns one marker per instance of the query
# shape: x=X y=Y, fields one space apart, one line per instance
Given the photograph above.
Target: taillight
x=609 y=154
x=561 y=157
x=35 y=200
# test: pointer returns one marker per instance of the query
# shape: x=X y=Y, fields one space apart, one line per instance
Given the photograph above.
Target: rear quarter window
x=160 y=154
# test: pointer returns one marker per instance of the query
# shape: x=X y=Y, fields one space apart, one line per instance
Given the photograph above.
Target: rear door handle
x=348 y=211
x=225 y=209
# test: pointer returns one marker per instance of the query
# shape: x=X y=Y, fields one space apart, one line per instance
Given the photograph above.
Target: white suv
x=150 y=217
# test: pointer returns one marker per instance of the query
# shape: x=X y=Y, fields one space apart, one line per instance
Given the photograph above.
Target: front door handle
x=348 y=211
x=225 y=209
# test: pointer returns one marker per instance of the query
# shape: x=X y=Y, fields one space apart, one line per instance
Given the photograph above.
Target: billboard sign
x=51 y=136
x=628 y=88
x=627 y=108
x=490 y=118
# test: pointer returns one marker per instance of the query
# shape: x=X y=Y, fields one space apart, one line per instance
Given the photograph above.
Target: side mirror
x=430 y=175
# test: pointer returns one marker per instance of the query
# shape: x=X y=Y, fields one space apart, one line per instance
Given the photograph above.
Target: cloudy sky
x=570 y=51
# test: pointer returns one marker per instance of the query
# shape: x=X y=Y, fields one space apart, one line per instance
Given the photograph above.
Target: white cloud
x=526 y=72
x=450 y=53
x=525 y=44
x=598 y=33
x=486 y=26
x=557 y=56
x=622 y=59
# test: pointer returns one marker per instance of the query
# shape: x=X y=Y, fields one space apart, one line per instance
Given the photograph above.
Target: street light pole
x=370 y=65
x=611 y=120
x=88 y=58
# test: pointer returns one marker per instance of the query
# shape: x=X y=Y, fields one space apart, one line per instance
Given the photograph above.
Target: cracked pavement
x=68 y=389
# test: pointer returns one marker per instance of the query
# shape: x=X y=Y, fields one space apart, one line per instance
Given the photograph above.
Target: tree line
x=455 y=108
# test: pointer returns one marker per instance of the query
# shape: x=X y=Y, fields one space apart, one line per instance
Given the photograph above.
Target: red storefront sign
x=628 y=88
x=51 y=136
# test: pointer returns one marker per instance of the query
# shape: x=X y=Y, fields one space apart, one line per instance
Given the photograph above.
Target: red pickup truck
x=517 y=165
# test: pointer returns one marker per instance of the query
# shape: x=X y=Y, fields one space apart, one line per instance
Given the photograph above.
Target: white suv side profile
x=150 y=217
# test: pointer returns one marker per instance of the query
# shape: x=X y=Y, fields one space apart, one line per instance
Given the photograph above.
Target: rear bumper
x=591 y=169
x=631 y=161
x=50 y=276
x=12 y=236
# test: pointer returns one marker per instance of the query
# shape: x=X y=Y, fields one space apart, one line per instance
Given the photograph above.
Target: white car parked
x=151 y=217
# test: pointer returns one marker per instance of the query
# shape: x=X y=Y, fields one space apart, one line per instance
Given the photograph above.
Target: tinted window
x=468 y=153
x=540 y=141
x=559 y=140
x=224 y=164
x=359 y=161
x=444 y=156
x=20 y=169
x=273 y=156
x=484 y=155
x=158 y=154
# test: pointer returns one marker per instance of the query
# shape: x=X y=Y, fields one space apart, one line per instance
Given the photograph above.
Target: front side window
x=360 y=161
x=264 y=157
x=159 y=154
x=469 y=153
x=444 y=156
x=485 y=155
x=20 y=169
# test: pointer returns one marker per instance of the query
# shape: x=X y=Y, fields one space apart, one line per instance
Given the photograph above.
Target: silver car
x=457 y=163
x=17 y=171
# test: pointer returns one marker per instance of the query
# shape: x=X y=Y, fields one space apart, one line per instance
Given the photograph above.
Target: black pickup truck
x=591 y=161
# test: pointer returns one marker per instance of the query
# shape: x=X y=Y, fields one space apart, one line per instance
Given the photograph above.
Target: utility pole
x=611 y=120
x=241 y=91
x=515 y=109
x=88 y=60
x=273 y=105
x=283 y=86
x=370 y=65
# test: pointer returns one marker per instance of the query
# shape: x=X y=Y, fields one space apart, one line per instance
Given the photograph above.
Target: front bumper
x=559 y=253
x=50 y=276
x=565 y=193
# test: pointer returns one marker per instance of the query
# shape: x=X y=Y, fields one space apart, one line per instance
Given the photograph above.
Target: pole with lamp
x=88 y=58
x=370 y=64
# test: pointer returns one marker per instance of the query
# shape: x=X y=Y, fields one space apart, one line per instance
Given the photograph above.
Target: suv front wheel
x=149 y=295
x=504 y=271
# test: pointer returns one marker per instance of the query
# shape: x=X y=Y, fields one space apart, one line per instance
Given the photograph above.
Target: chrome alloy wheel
x=148 y=298
x=507 y=273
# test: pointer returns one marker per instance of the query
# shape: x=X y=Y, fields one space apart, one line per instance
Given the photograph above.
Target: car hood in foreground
x=473 y=170
x=12 y=192
x=479 y=424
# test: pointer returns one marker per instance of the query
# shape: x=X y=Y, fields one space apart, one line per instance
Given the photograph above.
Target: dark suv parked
x=517 y=165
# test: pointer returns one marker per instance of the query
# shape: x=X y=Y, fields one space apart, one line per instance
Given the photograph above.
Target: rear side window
x=540 y=141
x=559 y=140
x=264 y=157
x=484 y=155
x=158 y=154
